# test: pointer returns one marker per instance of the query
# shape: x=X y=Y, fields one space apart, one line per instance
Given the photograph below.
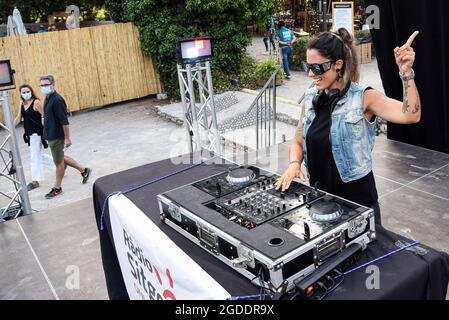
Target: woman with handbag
x=31 y=113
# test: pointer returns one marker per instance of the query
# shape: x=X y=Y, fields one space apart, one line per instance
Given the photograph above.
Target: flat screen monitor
x=194 y=50
x=6 y=75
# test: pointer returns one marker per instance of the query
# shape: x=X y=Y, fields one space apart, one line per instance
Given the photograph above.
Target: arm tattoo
x=418 y=105
x=405 y=105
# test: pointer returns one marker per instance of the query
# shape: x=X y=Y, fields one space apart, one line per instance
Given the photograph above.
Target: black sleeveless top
x=32 y=122
x=321 y=164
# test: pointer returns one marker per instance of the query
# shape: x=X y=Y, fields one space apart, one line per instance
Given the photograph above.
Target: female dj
x=336 y=133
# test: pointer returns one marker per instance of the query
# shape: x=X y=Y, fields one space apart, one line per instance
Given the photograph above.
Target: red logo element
x=158 y=276
x=167 y=294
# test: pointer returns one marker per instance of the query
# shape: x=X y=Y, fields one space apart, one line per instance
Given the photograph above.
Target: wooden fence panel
x=93 y=66
x=101 y=45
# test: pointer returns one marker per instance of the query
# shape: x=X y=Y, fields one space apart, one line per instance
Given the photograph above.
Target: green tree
x=116 y=9
x=38 y=10
x=163 y=22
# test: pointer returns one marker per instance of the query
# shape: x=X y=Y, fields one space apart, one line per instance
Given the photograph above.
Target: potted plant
x=265 y=69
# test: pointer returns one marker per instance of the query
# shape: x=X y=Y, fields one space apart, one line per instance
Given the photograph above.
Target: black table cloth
x=405 y=275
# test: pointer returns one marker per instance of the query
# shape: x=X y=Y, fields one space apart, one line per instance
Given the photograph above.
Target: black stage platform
x=37 y=252
x=405 y=275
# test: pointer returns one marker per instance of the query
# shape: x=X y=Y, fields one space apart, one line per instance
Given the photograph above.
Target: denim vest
x=351 y=135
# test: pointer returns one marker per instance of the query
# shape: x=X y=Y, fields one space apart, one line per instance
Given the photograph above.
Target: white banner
x=153 y=266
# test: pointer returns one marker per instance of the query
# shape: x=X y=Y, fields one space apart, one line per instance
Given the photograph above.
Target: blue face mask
x=26 y=96
x=46 y=90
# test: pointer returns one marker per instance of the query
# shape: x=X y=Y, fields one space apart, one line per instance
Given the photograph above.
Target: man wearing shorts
x=56 y=132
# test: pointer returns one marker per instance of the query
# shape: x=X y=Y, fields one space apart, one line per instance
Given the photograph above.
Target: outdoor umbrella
x=19 y=23
x=11 y=27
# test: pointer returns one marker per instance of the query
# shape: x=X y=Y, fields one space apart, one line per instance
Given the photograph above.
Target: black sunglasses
x=318 y=68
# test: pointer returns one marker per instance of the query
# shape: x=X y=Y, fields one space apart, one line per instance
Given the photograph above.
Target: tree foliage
x=163 y=22
x=116 y=9
x=38 y=10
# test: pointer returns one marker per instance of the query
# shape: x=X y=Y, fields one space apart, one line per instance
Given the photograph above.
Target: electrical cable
x=378 y=259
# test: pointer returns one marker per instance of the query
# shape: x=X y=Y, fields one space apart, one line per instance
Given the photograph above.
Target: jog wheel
x=241 y=177
x=325 y=211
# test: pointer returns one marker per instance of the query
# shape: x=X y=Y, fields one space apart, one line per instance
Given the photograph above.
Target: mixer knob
x=304 y=198
x=259 y=211
x=229 y=202
x=282 y=195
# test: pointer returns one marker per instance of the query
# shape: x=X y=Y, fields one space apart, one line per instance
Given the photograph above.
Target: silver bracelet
x=407 y=78
x=295 y=161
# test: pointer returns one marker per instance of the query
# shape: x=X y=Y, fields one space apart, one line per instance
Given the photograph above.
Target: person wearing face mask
x=336 y=132
x=31 y=112
x=57 y=133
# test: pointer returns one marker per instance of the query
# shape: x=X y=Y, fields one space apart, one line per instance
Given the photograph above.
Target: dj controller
x=278 y=237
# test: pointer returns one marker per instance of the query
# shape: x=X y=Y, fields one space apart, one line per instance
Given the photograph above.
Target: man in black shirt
x=56 y=132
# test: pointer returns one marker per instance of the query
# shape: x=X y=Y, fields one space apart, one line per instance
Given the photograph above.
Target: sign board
x=152 y=265
x=343 y=16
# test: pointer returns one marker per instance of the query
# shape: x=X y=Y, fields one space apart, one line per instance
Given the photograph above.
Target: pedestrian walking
x=31 y=113
x=57 y=133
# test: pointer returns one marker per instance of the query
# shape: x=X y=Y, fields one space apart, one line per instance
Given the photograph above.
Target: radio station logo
x=149 y=284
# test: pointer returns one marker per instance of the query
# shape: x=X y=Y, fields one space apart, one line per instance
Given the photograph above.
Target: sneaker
x=31 y=186
x=288 y=77
x=54 y=192
x=86 y=174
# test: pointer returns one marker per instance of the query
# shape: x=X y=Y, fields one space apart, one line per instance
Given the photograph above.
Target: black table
x=405 y=275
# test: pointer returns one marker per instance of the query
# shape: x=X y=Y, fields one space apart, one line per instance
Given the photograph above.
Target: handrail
x=264 y=88
x=265 y=114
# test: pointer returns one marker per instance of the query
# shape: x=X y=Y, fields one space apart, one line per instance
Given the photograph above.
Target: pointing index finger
x=410 y=40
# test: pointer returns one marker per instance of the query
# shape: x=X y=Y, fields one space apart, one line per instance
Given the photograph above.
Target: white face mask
x=26 y=96
x=46 y=90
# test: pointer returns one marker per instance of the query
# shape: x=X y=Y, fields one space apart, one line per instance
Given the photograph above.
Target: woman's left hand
x=405 y=55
